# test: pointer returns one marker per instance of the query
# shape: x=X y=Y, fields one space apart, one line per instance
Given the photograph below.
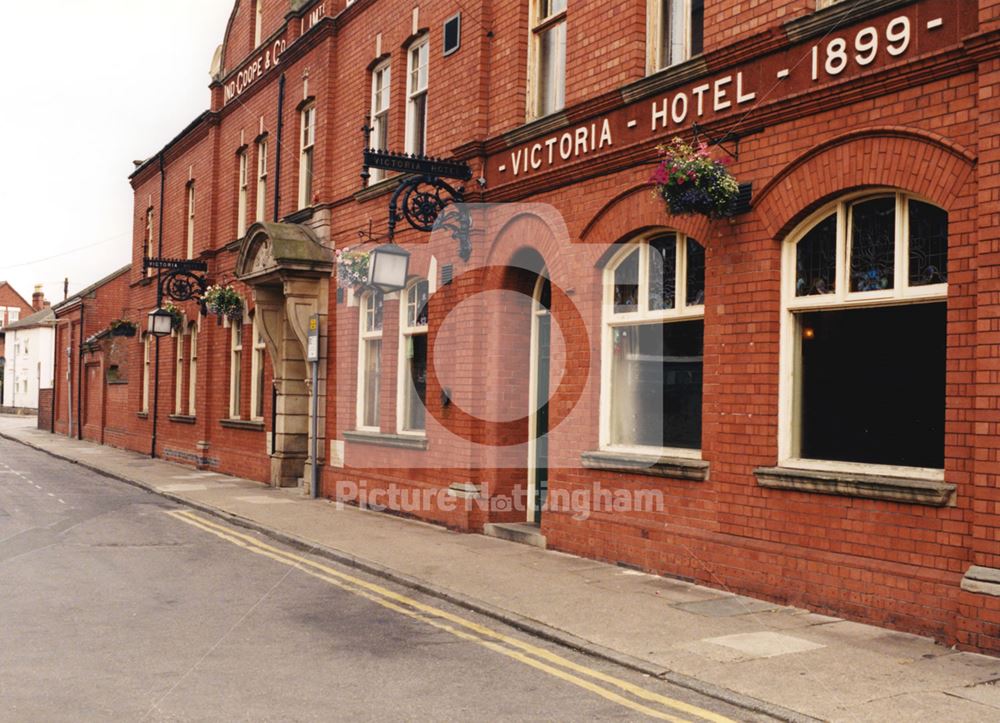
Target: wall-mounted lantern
x=388 y=266
x=160 y=322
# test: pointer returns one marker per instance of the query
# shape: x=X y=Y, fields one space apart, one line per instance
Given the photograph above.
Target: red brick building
x=12 y=308
x=796 y=402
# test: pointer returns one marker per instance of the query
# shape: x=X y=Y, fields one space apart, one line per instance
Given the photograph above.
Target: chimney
x=38 y=298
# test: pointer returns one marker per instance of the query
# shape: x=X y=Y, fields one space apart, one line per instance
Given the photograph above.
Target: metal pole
x=314 y=431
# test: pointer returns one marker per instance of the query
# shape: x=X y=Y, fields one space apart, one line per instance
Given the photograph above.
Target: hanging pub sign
x=420 y=165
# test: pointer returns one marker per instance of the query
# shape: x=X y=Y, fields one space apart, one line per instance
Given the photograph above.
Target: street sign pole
x=312 y=356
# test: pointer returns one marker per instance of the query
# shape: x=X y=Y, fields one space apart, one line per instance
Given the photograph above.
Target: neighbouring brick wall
x=45 y=409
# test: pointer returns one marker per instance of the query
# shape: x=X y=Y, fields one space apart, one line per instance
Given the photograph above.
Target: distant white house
x=30 y=344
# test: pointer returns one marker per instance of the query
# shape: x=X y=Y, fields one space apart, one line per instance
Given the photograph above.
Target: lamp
x=387 y=268
x=159 y=322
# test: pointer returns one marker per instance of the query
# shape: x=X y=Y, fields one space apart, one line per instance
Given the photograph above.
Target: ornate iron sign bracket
x=178 y=280
x=423 y=198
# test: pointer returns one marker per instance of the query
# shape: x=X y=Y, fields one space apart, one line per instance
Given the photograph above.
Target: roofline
x=65 y=304
x=205 y=115
x=23 y=301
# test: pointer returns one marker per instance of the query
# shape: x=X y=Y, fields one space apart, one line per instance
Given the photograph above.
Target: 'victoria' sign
x=795 y=70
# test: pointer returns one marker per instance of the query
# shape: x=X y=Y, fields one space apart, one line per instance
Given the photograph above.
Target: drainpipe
x=159 y=301
x=79 y=376
x=277 y=150
x=277 y=200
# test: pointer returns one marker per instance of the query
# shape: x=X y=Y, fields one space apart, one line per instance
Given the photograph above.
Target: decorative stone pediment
x=282 y=249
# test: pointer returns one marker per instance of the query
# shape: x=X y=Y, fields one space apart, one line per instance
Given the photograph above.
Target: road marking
x=50 y=494
x=460 y=627
x=61 y=502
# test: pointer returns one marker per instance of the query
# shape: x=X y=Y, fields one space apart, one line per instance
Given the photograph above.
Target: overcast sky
x=88 y=86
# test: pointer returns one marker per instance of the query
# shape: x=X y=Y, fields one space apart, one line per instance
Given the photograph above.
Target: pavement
x=785 y=662
x=122 y=605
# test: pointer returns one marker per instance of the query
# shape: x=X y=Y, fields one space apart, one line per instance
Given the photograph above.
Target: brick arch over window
x=635 y=210
x=922 y=163
x=537 y=226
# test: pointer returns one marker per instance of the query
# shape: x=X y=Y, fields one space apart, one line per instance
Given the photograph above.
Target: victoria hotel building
x=798 y=401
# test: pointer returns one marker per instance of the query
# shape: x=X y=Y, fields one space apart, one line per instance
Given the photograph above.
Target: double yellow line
x=606 y=686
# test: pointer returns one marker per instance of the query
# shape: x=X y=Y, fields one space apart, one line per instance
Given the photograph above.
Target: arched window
x=864 y=335
x=412 y=388
x=654 y=296
x=370 y=360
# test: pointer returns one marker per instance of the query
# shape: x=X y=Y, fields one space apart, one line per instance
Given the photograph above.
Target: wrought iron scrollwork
x=427 y=203
x=179 y=281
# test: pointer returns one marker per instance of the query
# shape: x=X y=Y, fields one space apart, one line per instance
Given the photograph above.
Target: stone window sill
x=381 y=439
x=142 y=415
x=982 y=580
x=117 y=382
x=246 y=424
x=852 y=484
x=647 y=464
x=181 y=419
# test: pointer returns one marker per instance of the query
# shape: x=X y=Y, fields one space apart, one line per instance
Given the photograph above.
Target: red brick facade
x=816 y=126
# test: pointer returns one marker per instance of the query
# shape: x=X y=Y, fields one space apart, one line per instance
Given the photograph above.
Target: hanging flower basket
x=352 y=268
x=176 y=316
x=121 y=327
x=224 y=301
x=692 y=182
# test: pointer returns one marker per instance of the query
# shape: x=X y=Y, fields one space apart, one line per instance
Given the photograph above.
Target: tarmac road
x=116 y=604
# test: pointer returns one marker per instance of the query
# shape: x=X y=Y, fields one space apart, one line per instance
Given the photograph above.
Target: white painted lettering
x=719 y=102
x=742 y=97
x=566 y=146
x=700 y=92
x=679 y=108
x=581 y=141
x=550 y=144
x=536 y=162
x=605 y=134
x=660 y=115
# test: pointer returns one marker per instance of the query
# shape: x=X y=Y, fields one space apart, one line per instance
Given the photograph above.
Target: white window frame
x=537 y=27
x=610 y=320
x=261 y=206
x=655 y=36
x=179 y=371
x=307 y=145
x=235 y=369
x=148 y=241
x=190 y=219
x=381 y=102
x=13 y=314
x=367 y=333
x=820 y=4
x=193 y=370
x=407 y=330
x=146 y=340
x=257 y=367
x=258 y=22
x=415 y=93
x=243 y=181
x=842 y=298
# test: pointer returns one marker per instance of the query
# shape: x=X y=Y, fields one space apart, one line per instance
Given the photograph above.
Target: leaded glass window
x=662 y=272
x=627 y=283
x=654 y=346
x=863 y=365
x=928 y=244
x=816 y=259
x=873 y=244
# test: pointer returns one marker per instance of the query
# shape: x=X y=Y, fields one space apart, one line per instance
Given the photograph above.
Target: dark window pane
x=816 y=259
x=656 y=385
x=873 y=244
x=695 y=273
x=873 y=385
x=416 y=394
x=662 y=272
x=697 y=26
x=928 y=244
x=627 y=283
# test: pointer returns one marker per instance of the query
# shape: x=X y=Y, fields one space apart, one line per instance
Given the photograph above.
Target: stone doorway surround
x=289 y=270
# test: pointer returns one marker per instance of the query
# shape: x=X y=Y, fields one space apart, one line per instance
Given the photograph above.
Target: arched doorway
x=538 y=397
x=289 y=271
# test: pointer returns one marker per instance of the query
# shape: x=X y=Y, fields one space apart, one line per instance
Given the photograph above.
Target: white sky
x=88 y=86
